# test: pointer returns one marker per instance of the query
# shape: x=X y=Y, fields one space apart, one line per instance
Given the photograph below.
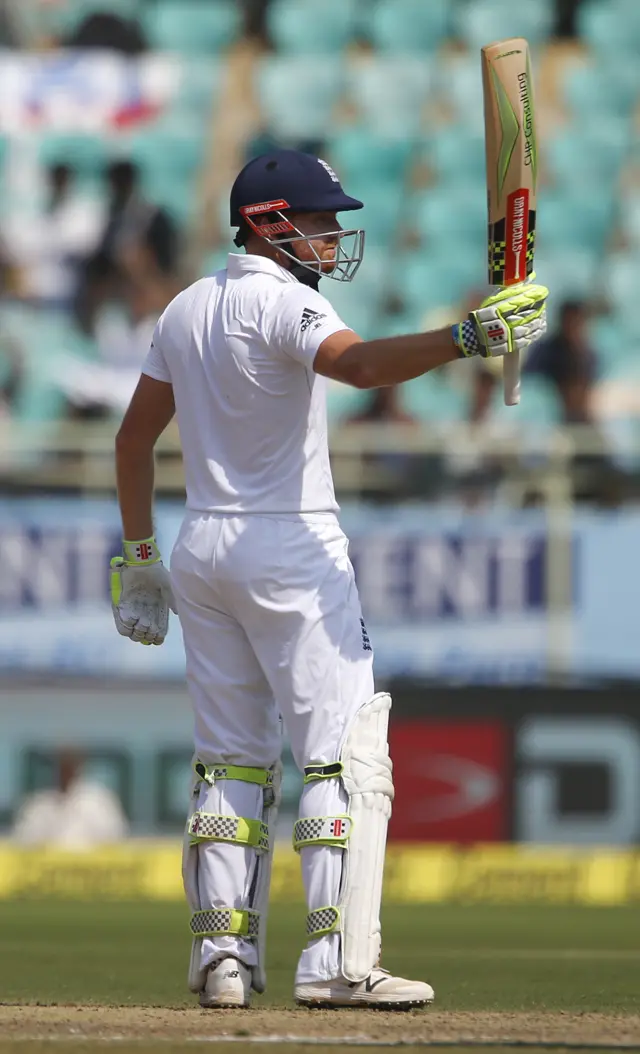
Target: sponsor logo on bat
x=506 y=54
x=527 y=121
x=516 y=239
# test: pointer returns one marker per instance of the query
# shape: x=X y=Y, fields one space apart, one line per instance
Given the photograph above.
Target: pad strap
x=219 y=922
x=213 y=827
x=323 y=921
x=321 y=830
x=212 y=773
x=322 y=772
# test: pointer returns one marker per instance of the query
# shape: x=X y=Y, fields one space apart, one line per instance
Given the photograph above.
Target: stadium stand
x=389 y=91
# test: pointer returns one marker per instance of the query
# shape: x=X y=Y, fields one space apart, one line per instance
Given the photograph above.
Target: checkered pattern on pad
x=321 y=830
x=216 y=922
x=323 y=920
x=217 y=828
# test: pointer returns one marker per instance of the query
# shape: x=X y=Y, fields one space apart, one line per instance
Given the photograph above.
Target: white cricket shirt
x=238 y=349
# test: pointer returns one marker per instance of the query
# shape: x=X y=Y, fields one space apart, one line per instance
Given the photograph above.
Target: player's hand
x=141 y=593
x=509 y=320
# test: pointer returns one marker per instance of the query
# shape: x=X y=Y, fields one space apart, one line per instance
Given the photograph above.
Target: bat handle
x=511 y=378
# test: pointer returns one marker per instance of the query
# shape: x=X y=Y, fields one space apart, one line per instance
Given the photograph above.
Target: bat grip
x=511 y=378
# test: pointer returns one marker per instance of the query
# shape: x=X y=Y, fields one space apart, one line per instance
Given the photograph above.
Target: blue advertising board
x=446 y=593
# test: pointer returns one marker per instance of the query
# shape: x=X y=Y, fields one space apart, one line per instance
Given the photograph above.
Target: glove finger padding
x=139 y=601
x=510 y=319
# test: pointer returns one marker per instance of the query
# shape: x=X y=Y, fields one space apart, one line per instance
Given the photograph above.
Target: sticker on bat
x=517 y=228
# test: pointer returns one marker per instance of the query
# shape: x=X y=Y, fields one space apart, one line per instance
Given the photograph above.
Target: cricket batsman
x=263 y=586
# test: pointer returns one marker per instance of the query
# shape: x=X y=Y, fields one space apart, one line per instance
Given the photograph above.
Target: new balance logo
x=310 y=317
x=369 y=985
x=366 y=643
x=232 y=973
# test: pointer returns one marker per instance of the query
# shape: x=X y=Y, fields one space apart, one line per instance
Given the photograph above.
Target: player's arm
x=345 y=357
x=149 y=413
x=507 y=321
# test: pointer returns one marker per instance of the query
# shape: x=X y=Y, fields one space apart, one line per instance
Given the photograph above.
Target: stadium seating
x=297 y=95
x=479 y=22
x=191 y=26
x=310 y=27
x=390 y=93
x=407 y=26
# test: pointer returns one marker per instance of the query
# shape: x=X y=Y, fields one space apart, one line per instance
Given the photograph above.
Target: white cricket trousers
x=272 y=626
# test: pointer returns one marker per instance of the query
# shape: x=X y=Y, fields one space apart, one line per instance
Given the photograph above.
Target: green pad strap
x=321 y=830
x=211 y=773
x=212 y=827
x=323 y=921
x=322 y=772
x=218 y=922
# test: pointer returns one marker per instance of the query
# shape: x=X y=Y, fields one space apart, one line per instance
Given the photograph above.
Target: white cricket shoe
x=379 y=990
x=228 y=984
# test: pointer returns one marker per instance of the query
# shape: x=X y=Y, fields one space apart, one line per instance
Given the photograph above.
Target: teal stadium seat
x=600 y=92
x=199 y=84
x=480 y=22
x=579 y=218
x=160 y=149
x=629 y=217
x=192 y=26
x=408 y=25
x=456 y=154
x=451 y=216
x=458 y=84
x=621 y=283
x=595 y=149
x=390 y=93
x=433 y=398
x=568 y=271
x=359 y=153
x=310 y=27
x=611 y=29
x=435 y=280
x=297 y=95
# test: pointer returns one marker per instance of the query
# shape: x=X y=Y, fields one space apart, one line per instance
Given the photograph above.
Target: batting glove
x=509 y=320
x=141 y=593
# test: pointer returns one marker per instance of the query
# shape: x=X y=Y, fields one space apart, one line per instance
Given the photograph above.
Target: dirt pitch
x=352 y=1026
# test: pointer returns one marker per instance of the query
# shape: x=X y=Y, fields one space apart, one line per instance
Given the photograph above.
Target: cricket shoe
x=228 y=984
x=379 y=991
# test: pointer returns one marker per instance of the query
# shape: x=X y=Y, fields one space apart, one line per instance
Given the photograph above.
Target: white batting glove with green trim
x=509 y=320
x=141 y=593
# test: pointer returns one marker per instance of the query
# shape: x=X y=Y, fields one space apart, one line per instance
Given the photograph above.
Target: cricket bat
x=512 y=164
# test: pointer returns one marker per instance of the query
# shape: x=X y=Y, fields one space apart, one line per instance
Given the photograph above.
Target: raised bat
x=512 y=168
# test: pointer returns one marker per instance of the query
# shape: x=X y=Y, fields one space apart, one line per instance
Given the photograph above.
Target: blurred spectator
x=383 y=405
x=138 y=251
x=77 y=814
x=49 y=249
x=255 y=19
x=567 y=360
x=388 y=475
x=564 y=358
x=566 y=11
x=107 y=30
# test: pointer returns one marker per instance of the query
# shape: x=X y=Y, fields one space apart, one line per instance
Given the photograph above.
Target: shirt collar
x=238 y=264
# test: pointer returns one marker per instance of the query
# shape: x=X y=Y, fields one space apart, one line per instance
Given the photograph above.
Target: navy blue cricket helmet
x=286 y=181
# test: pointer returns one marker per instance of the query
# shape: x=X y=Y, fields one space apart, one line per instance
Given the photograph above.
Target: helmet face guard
x=349 y=248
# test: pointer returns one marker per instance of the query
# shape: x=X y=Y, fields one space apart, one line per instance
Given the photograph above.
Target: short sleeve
x=155 y=364
x=302 y=319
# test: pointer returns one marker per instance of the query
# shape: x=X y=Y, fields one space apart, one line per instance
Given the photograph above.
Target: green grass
x=477 y=957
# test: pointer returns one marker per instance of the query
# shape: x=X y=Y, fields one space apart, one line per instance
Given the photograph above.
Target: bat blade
x=512 y=162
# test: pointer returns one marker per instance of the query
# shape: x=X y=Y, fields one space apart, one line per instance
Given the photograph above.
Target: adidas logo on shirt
x=310 y=318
